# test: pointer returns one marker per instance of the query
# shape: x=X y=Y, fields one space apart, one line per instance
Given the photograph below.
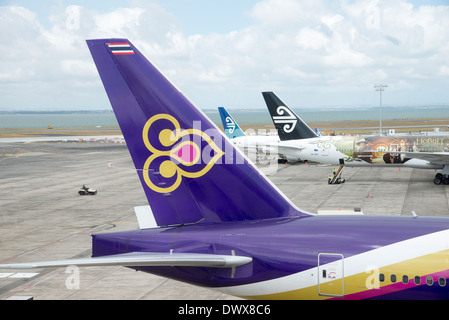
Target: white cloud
x=291 y=46
x=311 y=39
x=119 y=22
x=278 y=12
x=78 y=68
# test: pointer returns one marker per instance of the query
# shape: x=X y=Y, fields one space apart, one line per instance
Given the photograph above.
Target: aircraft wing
x=281 y=149
x=291 y=151
x=291 y=148
x=281 y=146
x=432 y=157
x=139 y=259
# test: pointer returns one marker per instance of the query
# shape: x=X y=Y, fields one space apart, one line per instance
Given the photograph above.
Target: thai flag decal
x=120 y=48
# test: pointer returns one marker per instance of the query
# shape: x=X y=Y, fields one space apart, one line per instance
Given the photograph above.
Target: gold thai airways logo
x=186 y=153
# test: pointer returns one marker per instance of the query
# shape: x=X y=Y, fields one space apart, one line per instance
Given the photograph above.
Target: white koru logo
x=230 y=124
x=289 y=119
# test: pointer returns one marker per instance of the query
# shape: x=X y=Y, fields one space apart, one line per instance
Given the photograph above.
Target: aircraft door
x=331 y=274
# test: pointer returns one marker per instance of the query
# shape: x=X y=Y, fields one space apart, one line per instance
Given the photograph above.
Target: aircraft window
x=442 y=281
x=393 y=278
x=381 y=277
x=405 y=279
x=429 y=281
x=417 y=280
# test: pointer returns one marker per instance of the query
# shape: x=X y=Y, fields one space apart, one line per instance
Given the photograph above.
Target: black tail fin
x=286 y=121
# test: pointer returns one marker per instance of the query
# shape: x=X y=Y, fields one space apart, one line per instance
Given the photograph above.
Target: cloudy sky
x=313 y=53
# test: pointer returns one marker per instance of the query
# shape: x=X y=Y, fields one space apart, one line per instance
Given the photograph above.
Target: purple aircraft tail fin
x=188 y=169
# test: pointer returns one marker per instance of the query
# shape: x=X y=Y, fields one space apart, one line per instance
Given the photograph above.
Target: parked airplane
x=222 y=224
x=239 y=138
x=424 y=152
x=265 y=144
x=251 y=144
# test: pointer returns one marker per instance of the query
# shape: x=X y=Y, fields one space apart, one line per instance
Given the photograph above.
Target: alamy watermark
x=72 y=282
x=260 y=147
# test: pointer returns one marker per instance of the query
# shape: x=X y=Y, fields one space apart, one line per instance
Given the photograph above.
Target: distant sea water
x=9 y=120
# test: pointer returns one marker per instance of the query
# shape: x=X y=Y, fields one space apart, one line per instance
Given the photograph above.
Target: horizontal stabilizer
x=141 y=259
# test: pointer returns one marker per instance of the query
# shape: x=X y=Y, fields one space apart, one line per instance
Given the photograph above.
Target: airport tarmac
x=42 y=217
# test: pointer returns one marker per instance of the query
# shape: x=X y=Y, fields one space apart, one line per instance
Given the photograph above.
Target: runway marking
x=5 y=275
x=20 y=275
x=23 y=275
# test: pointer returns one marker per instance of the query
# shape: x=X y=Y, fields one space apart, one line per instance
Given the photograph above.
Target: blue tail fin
x=190 y=172
x=286 y=121
x=231 y=128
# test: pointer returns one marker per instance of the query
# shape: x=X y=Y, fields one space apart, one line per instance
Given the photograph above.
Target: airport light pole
x=380 y=88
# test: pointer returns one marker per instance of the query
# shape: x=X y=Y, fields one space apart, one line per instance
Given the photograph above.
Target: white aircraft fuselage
x=371 y=150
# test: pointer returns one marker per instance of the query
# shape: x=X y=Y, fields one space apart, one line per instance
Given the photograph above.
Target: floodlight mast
x=380 y=88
